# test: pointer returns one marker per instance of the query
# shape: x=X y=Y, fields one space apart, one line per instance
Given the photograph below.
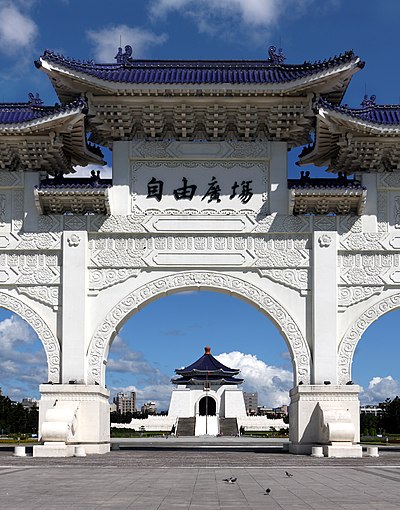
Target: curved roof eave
x=356 y=123
x=327 y=118
x=342 y=72
x=42 y=122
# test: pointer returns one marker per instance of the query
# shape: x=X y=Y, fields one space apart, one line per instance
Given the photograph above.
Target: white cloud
x=17 y=29
x=132 y=362
x=107 y=40
x=14 y=330
x=227 y=18
x=84 y=171
x=22 y=359
x=272 y=383
x=251 y=12
x=379 y=389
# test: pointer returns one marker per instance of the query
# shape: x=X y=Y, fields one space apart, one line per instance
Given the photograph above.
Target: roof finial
x=207 y=350
x=368 y=101
x=124 y=58
x=274 y=57
x=34 y=99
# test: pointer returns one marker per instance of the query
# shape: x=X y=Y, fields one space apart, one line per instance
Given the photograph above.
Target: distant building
x=29 y=403
x=251 y=402
x=149 y=408
x=124 y=403
x=273 y=412
x=371 y=409
x=113 y=408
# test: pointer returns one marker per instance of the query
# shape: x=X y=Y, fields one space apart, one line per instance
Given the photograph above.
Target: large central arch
x=188 y=280
x=49 y=341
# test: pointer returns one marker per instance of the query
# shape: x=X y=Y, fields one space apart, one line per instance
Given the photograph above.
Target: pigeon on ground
x=230 y=480
x=289 y=475
x=267 y=491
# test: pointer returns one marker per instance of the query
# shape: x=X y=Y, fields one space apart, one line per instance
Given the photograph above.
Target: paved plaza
x=185 y=478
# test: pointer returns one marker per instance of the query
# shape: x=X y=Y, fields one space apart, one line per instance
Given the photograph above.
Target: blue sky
x=172 y=331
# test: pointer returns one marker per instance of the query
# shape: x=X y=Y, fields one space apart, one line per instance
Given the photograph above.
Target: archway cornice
x=197 y=280
x=351 y=338
x=50 y=342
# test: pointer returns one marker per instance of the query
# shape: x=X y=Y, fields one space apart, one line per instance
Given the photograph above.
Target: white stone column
x=369 y=218
x=279 y=196
x=120 y=192
x=74 y=290
x=31 y=179
x=324 y=307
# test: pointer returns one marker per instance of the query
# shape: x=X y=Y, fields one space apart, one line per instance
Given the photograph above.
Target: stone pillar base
x=53 y=449
x=91 y=424
x=343 y=450
x=305 y=427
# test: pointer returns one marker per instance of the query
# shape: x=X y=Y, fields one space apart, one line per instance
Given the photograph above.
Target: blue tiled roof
x=207 y=364
x=197 y=71
x=376 y=114
x=17 y=113
x=199 y=379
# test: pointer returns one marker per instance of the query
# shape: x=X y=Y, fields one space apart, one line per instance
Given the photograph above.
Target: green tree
x=369 y=424
x=392 y=416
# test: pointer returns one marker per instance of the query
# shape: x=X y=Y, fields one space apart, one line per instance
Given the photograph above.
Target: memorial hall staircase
x=186 y=427
x=228 y=427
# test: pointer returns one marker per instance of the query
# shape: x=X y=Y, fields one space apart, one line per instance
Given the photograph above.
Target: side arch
x=106 y=331
x=49 y=341
x=352 y=336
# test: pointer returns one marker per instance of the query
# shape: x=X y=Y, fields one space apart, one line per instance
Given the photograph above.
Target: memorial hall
x=199 y=199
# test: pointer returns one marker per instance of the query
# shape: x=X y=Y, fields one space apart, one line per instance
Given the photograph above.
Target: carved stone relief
x=349 y=342
x=39 y=241
x=118 y=224
x=349 y=224
x=369 y=241
x=208 y=150
x=43 y=294
x=29 y=268
x=11 y=179
x=348 y=296
x=100 y=279
x=389 y=180
x=297 y=279
x=272 y=251
x=50 y=223
x=277 y=251
x=49 y=341
x=104 y=333
x=369 y=268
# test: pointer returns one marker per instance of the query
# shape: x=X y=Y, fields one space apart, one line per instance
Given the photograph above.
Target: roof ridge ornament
x=34 y=99
x=124 y=58
x=274 y=57
x=367 y=102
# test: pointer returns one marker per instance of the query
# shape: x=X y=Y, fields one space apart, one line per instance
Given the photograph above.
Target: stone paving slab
x=173 y=480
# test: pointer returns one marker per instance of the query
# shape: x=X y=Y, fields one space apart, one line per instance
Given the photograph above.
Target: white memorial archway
x=199 y=198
